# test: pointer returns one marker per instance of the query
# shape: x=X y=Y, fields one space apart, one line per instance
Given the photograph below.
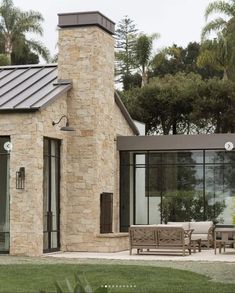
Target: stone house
x=59 y=190
x=81 y=190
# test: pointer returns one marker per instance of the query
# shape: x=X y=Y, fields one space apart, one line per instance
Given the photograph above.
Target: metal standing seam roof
x=27 y=88
x=30 y=87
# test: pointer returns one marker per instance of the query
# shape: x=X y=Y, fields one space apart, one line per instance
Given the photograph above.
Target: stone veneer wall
x=26 y=131
x=86 y=55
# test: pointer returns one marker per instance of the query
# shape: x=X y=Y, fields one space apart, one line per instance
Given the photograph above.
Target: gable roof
x=30 y=87
x=26 y=88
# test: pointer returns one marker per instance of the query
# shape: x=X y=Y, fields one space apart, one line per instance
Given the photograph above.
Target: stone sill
x=112 y=235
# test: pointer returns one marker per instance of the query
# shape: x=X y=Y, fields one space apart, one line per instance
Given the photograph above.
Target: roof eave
x=125 y=113
x=18 y=110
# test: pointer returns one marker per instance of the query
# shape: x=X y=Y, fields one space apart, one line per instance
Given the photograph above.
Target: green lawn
x=33 y=278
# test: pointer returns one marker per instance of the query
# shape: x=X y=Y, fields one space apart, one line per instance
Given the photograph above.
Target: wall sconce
x=20 y=178
x=66 y=127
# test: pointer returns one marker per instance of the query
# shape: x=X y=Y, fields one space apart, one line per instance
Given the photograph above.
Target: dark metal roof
x=88 y=18
x=27 y=88
x=125 y=113
x=30 y=87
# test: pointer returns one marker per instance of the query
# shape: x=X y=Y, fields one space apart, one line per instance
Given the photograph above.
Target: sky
x=178 y=21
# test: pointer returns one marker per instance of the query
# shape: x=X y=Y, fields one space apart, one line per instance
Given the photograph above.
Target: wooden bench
x=162 y=237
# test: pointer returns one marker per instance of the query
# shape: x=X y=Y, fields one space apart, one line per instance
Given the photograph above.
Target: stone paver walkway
x=204 y=255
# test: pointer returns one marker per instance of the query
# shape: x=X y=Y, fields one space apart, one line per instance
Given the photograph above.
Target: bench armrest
x=188 y=233
x=210 y=234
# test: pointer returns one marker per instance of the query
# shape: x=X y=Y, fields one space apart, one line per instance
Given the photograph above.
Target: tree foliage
x=219 y=24
x=126 y=35
x=220 y=52
x=214 y=110
x=216 y=54
x=177 y=59
x=165 y=103
x=143 y=54
x=133 y=54
x=186 y=90
x=4 y=60
x=14 y=24
x=184 y=104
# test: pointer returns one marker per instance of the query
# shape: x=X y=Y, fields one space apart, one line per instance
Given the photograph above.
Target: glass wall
x=4 y=197
x=157 y=187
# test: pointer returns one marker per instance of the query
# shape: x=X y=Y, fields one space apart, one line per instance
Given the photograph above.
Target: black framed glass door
x=51 y=195
x=4 y=196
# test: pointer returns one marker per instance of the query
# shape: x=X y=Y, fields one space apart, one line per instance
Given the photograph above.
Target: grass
x=29 y=278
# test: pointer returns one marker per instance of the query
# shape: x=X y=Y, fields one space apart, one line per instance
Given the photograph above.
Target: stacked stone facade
x=89 y=158
x=86 y=56
x=26 y=131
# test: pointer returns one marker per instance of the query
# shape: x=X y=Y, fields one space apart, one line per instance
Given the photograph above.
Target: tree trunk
x=225 y=74
x=144 y=77
x=174 y=127
x=164 y=128
x=8 y=47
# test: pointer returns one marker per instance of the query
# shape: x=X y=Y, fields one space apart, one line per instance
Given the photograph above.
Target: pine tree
x=126 y=35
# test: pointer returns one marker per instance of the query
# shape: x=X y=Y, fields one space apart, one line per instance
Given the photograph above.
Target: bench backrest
x=156 y=235
x=143 y=235
x=170 y=236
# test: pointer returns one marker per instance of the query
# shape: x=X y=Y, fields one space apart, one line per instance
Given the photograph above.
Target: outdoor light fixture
x=66 y=127
x=20 y=178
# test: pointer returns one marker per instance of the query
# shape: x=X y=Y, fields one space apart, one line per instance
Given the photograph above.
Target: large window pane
x=126 y=197
x=155 y=181
x=213 y=157
x=154 y=210
x=183 y=186
x=220 y=191
x=141 y=199
x=185 y=158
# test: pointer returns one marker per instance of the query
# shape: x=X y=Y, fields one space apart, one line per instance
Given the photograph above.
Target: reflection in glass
x=141 y=200
x=154 y=211
x=182 y=194
x=181 y=186
x=220 y=191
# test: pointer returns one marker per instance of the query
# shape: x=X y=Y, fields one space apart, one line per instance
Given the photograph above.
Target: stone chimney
x=86 y=56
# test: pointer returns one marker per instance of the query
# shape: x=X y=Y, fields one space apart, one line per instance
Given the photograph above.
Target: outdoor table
x=227 y=236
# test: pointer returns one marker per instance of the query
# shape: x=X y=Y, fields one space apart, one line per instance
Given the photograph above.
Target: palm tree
x=143 y=52
x=14 y=24
x=219 y=54
x=220 y=24
x=216 y=54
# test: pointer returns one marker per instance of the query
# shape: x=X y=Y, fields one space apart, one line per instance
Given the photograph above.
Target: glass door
x=4 y=197
x=51 y=195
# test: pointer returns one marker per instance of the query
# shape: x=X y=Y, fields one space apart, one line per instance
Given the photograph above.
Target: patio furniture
x=203 y=230
x=196 y=244
x=223 y=236
x=159 y=237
